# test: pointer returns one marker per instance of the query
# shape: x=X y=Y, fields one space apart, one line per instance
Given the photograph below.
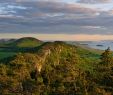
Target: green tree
x=106 y=57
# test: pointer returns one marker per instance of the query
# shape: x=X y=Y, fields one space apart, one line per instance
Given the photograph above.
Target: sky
x=57 y=19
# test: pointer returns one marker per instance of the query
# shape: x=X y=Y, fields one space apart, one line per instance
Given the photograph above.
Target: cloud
x=93 y=27
x=95 y=1
x=7 y=10
x=52 y=17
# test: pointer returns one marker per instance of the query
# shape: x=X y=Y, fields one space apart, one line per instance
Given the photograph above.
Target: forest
x=29 y=66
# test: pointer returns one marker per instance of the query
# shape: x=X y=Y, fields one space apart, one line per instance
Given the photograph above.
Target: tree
x=106 y=57
x=105 y=72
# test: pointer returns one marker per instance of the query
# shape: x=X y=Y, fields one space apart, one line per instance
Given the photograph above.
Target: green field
x=6 y=54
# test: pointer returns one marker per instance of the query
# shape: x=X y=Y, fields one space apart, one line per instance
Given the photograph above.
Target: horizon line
x=58 y=37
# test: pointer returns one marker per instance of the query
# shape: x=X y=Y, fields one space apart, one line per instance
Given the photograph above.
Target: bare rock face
x=41 y=60
x=38 y=67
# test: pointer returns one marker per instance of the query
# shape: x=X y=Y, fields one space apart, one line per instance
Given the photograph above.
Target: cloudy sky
x=57 y=19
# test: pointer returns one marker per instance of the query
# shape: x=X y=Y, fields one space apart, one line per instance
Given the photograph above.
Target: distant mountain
x=5 y=42
x=26 y=42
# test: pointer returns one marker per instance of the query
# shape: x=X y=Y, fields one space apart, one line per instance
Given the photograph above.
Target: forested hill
x=56 y=68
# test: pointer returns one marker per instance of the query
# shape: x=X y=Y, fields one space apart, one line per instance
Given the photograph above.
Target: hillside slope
x=54 y=68
x=26 y=42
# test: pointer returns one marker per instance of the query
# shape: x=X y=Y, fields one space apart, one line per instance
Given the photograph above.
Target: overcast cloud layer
x=56 y=16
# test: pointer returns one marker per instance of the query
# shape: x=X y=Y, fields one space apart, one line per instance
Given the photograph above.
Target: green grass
x=28 y=43
x=6 y=54
x=90 y=57
x=84 y=52
x=88 y=53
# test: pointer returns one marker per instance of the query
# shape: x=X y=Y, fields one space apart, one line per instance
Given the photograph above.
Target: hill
x=10 y=47
x=26 y=42
x=4 y=42
x=29 y=44
x=52 y=63
x=55 y=68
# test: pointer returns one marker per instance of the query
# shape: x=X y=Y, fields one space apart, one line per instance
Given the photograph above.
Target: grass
x=6 y=54
x=90 y=57
x=84 y=52
x=88 y=53
x=28 y=44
